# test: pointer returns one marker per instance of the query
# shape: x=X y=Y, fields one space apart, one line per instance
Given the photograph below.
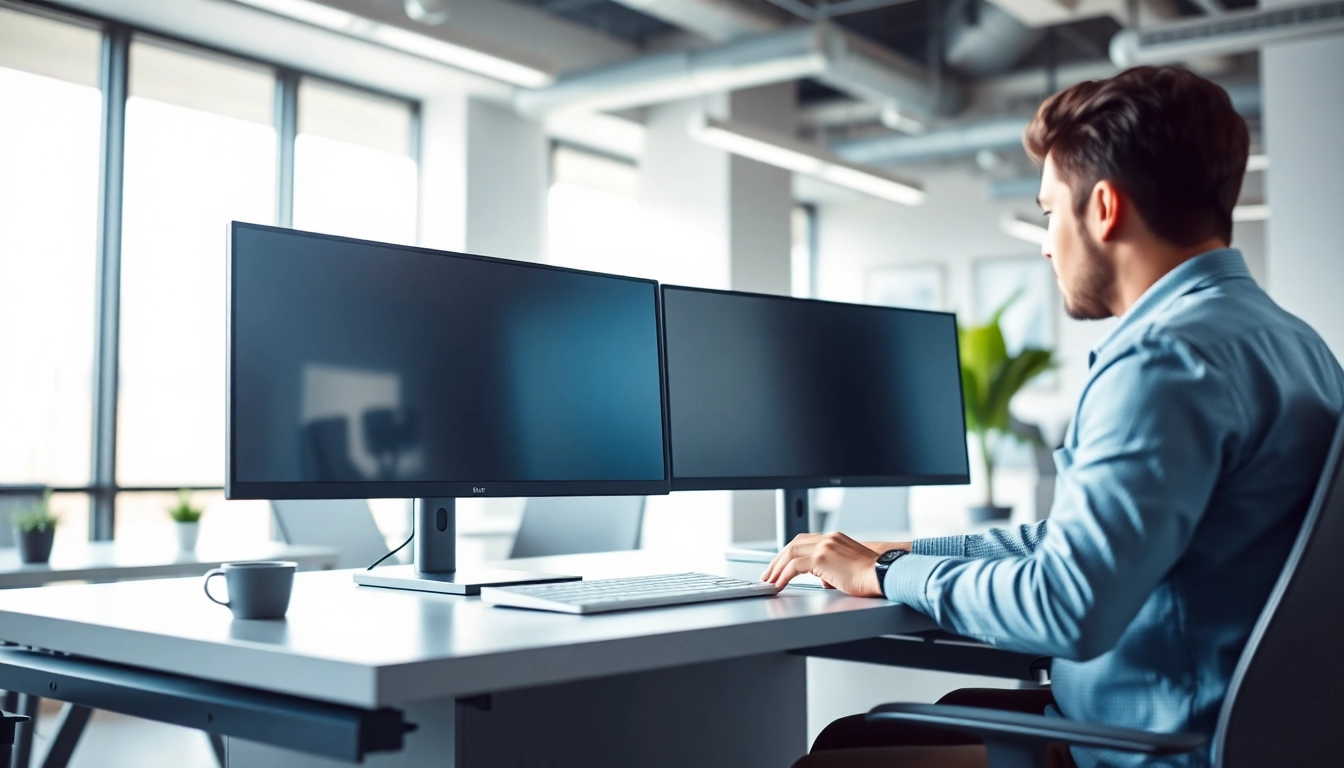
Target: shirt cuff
x=906 y=578
x=943 y=546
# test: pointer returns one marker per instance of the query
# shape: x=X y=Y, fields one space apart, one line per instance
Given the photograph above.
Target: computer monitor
x=365 y=370
x=772 y=392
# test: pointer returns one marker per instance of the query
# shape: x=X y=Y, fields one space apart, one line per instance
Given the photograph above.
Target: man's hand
x=836 y=559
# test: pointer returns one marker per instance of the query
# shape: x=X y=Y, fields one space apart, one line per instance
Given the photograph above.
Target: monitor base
x=464 y=581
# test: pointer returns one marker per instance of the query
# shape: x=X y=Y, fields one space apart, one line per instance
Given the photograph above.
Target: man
x=1190 y=462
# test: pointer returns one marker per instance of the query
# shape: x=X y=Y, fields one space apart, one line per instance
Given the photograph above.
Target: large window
x=200 y=152
x=49 y=143
x=200 y=140
x=49 y=129
x=594 y=220
x=353 y=162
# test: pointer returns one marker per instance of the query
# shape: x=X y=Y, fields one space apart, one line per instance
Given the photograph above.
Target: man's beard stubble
x=1091 y=294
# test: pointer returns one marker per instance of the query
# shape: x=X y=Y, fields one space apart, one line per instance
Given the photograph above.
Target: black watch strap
x=884 y=562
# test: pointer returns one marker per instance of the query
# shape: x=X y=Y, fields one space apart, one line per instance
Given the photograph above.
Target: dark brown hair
x=1166 y=137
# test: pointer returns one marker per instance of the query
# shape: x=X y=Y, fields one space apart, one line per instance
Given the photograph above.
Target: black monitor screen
x=363 y=369
x=774 y=392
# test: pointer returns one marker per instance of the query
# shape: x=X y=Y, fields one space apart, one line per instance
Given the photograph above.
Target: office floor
x=116 y=741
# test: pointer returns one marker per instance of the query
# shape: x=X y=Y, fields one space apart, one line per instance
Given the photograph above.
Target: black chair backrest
x=1285 y=705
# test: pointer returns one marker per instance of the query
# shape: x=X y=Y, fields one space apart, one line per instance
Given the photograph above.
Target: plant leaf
x=1011 y=377
x=982 y=350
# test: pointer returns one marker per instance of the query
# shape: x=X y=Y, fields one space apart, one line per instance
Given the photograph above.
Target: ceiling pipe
x=717 y=20
x=957 y=141
x=838 y=58
x=1233 y=32
x=969 y=138
x=660 y=77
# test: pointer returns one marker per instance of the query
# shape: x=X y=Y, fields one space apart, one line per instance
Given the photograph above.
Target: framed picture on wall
x=1032 y=320
x=913 y=286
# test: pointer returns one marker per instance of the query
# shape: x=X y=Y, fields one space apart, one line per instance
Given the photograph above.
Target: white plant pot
x=186 y=535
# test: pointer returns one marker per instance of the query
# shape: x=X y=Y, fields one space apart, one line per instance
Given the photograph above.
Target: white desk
x=120 y=560
x=705 y=685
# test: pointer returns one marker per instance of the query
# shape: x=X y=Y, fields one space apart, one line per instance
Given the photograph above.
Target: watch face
x=889 y=557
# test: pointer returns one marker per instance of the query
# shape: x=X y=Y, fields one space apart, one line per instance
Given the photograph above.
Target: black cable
x=393 y=552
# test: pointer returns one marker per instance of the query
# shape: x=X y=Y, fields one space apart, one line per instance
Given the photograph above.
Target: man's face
x=1086 y=273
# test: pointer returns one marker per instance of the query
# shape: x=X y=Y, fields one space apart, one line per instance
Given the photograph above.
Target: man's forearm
x=1000 y=542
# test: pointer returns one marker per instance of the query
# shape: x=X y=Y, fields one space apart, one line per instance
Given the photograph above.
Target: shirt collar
x=1209 y=267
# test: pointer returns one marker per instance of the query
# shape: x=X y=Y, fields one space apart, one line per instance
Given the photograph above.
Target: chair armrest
x=998 y=725
x=8 y=722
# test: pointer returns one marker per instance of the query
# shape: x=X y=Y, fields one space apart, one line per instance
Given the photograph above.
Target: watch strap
x=884 y=562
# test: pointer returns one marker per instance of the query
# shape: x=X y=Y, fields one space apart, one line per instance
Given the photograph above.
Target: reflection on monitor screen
x=360 y=363
x=775 y=392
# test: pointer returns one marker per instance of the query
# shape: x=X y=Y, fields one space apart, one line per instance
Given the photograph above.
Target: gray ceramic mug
x=258 y=590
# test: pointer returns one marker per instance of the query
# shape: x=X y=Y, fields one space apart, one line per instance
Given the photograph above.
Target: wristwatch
x=884 y=562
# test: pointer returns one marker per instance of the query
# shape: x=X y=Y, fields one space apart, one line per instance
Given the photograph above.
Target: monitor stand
x=435 y=567
x=792 y=516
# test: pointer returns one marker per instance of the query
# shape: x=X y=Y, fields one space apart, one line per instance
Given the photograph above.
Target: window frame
x=113 y=79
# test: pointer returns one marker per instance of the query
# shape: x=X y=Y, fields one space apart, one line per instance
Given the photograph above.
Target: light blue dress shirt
x=1184 y=477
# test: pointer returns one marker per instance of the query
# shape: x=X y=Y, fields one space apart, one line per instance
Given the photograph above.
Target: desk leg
x=220 y=748
x=69 y=727
x=23 y=736
x=740 y=713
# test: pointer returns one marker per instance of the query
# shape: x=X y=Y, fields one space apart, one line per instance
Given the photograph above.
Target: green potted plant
x=35 y=531
x=990 y=377
x=187 y=521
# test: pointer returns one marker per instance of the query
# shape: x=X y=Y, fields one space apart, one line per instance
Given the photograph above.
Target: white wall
x=1303 y=112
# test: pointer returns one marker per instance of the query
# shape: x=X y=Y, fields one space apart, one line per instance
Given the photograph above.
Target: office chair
x=571 y=525
x=1268 y=717
x=344 y=524
x=16 y=498
x=8 y=723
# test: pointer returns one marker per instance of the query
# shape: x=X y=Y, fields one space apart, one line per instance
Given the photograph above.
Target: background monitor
x=361 y=369
x=776 y=392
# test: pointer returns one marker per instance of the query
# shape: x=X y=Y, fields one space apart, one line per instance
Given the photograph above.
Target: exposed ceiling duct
x=957 y=141
x=840 y=59
x=982 y=39
x=1233 y=32
x=970 y=138
x=717 y=20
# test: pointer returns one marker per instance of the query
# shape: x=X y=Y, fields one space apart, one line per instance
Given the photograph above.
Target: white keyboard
x=603 y=595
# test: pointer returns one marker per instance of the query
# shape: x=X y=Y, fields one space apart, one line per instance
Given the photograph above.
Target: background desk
x=118 y=560
x=702 y=685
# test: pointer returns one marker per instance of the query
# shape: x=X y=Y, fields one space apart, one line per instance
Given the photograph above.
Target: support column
x=486 y=175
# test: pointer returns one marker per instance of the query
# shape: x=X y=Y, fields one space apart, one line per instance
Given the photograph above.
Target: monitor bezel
x=240 y=489
x=799 y=482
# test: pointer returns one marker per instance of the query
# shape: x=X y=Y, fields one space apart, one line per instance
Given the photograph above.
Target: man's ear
x=1104 y=211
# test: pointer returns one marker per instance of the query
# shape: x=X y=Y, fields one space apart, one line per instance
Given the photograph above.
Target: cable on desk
x=393 y=552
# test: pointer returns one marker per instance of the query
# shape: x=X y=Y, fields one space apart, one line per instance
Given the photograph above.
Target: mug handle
x=212 y=574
